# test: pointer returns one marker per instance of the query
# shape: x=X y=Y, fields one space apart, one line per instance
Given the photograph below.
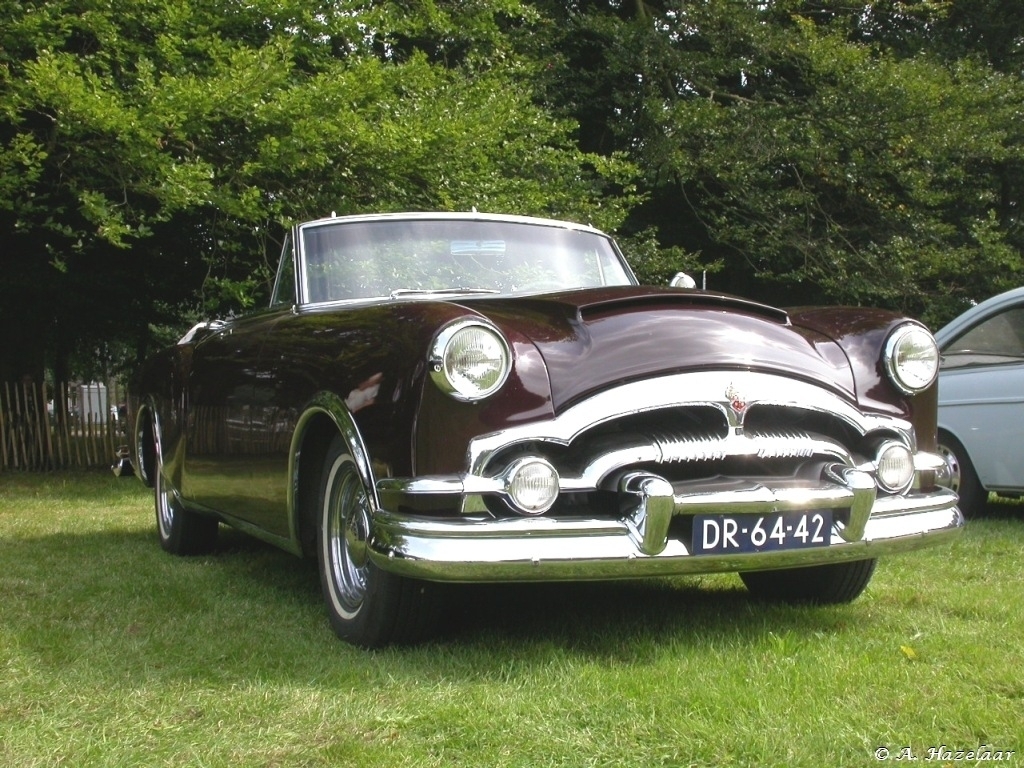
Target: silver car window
x=997 y=339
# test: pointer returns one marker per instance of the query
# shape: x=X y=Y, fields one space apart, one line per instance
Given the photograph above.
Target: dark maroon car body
x=627 y=422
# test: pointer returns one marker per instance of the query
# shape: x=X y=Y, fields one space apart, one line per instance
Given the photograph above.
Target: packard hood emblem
x=737 y=405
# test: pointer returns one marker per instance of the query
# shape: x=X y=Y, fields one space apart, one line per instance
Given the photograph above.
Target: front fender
x=325 y=415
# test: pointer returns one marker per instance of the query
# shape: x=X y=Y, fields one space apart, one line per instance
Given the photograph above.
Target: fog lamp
x=894 y=467
x=532 y=486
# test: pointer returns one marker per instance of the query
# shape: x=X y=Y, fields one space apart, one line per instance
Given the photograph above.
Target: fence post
x=19 y=430
x=42 y=428
x=31 y=438
x=4 y=421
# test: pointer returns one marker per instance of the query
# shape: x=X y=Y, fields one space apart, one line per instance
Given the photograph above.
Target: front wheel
x=821 y=584
x=963 y=478
x=366 y=606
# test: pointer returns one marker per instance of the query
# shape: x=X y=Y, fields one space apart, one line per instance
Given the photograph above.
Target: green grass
x=113 y=653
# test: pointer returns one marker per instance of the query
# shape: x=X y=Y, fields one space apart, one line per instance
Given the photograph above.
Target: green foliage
x=187 y=135
x=152 y=152
x=822 y=152
x=655 y=265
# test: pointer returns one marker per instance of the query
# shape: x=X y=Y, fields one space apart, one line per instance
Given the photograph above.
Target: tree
x=822 y=152
x=819 y=152
x=153 y=152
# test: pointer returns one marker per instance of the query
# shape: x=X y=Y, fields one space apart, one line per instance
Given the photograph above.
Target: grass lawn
x=113 y=653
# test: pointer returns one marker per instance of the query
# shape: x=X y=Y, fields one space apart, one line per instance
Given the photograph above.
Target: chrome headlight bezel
x=911 y=358
x=894 y=467
x=452 y=373
x=531 y=485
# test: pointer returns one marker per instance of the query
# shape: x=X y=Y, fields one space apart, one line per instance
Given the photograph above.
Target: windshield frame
x=608 y=259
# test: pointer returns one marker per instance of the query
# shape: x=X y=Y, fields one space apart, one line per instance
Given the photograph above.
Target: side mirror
x=201 y=331
x=682 y=280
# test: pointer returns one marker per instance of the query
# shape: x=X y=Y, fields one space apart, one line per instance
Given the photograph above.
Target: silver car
x=981 y=399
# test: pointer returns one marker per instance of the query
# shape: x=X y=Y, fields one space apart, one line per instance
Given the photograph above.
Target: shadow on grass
x=621 y=619
x=116 y=599
x=1002 y=508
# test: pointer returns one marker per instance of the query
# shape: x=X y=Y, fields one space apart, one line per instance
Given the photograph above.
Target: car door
x=981 y=396
x=223 y=443
x=231 y=463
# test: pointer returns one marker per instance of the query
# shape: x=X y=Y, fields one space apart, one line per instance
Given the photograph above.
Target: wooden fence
x=64 y=427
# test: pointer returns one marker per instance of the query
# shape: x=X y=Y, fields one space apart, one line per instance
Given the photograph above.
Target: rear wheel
x=821 y=584
x=962 y=476
x=366 y=606
x=181 y=532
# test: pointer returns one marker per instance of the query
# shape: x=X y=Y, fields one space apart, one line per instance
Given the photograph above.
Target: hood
x=593 y=339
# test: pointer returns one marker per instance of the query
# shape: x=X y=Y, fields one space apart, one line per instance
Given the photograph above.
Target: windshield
x=401 y=258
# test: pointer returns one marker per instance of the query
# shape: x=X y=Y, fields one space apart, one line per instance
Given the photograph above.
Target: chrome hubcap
x=954 y=467
x=347 y=528
x=164 y=505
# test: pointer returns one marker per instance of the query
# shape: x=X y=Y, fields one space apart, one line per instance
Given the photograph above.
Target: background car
x=442 y=397
x=981 y=399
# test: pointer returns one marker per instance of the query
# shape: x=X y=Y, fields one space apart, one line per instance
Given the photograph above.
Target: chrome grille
x=598 y=460
x=696 y=448
x=688 y=426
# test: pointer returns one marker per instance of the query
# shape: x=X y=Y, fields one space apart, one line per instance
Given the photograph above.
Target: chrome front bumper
x=547 y=549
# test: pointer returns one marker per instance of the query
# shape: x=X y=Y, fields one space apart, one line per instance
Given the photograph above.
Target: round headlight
x=469 y=360
x=532 y=486
x=911 y=359
x=894 y=467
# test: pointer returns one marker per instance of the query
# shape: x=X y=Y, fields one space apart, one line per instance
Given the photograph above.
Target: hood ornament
x=737 y=407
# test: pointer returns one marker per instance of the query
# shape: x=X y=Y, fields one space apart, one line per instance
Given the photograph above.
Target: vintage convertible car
x=437 y=397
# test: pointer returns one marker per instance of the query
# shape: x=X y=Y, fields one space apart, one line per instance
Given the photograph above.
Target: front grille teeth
x=679 y=448
x=661 y=448
x=780 y=445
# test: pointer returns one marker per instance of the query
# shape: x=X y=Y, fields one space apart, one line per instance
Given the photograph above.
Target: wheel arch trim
x=333 y=407
x=148 y=464
x=146 y=437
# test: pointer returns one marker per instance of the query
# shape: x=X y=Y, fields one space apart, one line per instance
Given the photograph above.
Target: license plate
x=725 y=534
